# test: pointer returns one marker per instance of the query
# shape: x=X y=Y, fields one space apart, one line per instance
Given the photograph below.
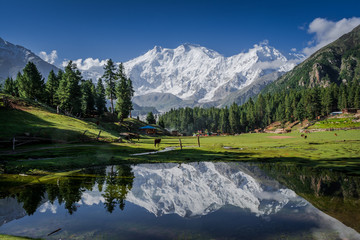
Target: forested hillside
x=338 y=62
x=291 y=105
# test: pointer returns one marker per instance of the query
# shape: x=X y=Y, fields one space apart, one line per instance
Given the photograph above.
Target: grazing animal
x=335 y=134
x=157 y=141
x=302 y=135
x=305 y=137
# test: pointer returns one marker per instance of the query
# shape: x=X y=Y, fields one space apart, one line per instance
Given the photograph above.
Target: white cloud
x=327 y=31
x=87 y=64
x=90 y=68
x=50 y=58
x=293 y=50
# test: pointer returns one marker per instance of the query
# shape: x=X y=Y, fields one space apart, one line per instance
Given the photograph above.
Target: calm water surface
x=183 y=201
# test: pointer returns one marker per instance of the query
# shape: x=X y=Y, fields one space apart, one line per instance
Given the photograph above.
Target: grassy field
x=321 y=149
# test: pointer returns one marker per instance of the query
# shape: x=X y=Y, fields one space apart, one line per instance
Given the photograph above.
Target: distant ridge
x=13 y=59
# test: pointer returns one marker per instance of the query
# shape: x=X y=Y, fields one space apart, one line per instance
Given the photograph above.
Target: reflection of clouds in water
x=91 y=198
x=48 y=207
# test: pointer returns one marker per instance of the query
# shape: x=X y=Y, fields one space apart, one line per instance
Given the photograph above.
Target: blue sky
x=122 y=30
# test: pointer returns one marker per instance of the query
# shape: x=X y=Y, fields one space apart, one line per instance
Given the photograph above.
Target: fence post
x=97 y=139
x=198 y=140
x=180 y=144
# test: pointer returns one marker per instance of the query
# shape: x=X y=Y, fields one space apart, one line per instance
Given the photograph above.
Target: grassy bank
x=8 y=237
x=32 y=119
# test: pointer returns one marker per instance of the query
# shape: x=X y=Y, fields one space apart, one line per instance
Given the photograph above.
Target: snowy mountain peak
x=195 y=72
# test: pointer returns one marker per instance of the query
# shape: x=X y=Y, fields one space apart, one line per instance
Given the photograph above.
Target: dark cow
x=335 y=134
x=305 y=137
x=157 y=141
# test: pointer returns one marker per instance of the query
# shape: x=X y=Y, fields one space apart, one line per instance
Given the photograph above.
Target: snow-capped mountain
x=13 y=59
x=193 y=72
x=191 y=190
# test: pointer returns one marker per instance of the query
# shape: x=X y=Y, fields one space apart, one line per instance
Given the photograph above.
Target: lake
x=205 y=200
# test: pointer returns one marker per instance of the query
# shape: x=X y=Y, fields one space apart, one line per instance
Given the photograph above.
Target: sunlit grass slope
x=28 y=118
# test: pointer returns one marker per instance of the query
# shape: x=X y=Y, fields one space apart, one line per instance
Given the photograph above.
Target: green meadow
x=320 y=149
x=73 y=143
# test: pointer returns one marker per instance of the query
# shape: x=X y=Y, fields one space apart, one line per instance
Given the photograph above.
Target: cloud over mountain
x=327 y=31
x=50 y=58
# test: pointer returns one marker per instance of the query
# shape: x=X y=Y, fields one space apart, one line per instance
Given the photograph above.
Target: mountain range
x=192 y=75
x=13 y=59
x=189 y=75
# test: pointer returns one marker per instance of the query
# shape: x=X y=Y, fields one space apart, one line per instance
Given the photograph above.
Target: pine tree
x=124 y=93
x=326 y=101
x=234 y=118
x=100 y=97
x=224 y=120
x=342 y=99
x=9 y=86
x=300 y=110
x=357 y=98
x=51 y=87
x=31 y=84
x=161 y=122
x=16 y=84
x=110 y=78
x=130 y=94
x=69 y=91
x=150 y=119
x=87 y=97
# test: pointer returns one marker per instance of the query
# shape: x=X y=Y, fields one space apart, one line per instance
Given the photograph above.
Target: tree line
x=71 y=94
x=287 y=105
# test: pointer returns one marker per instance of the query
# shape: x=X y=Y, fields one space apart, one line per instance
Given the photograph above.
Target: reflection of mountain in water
x=10 y=209
x=197 y=189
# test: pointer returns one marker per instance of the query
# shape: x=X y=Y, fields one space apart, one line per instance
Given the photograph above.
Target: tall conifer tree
x=110 y=78
x=31 y=84
x=100 y=97
x=51 y=87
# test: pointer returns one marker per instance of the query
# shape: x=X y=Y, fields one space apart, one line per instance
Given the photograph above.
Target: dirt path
x=167 y=149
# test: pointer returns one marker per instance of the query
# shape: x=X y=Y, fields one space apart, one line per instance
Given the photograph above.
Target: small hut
x=349 y=110
x=149 y=129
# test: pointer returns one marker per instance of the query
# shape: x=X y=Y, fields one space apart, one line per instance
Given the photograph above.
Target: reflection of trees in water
x=335 y=193
x=68 y=190
x=315 y=181
x=31 y=197
x=118 y=184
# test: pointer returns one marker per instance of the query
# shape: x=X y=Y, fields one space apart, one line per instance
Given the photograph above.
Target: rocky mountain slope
x=13 y=59
x=337 y=62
